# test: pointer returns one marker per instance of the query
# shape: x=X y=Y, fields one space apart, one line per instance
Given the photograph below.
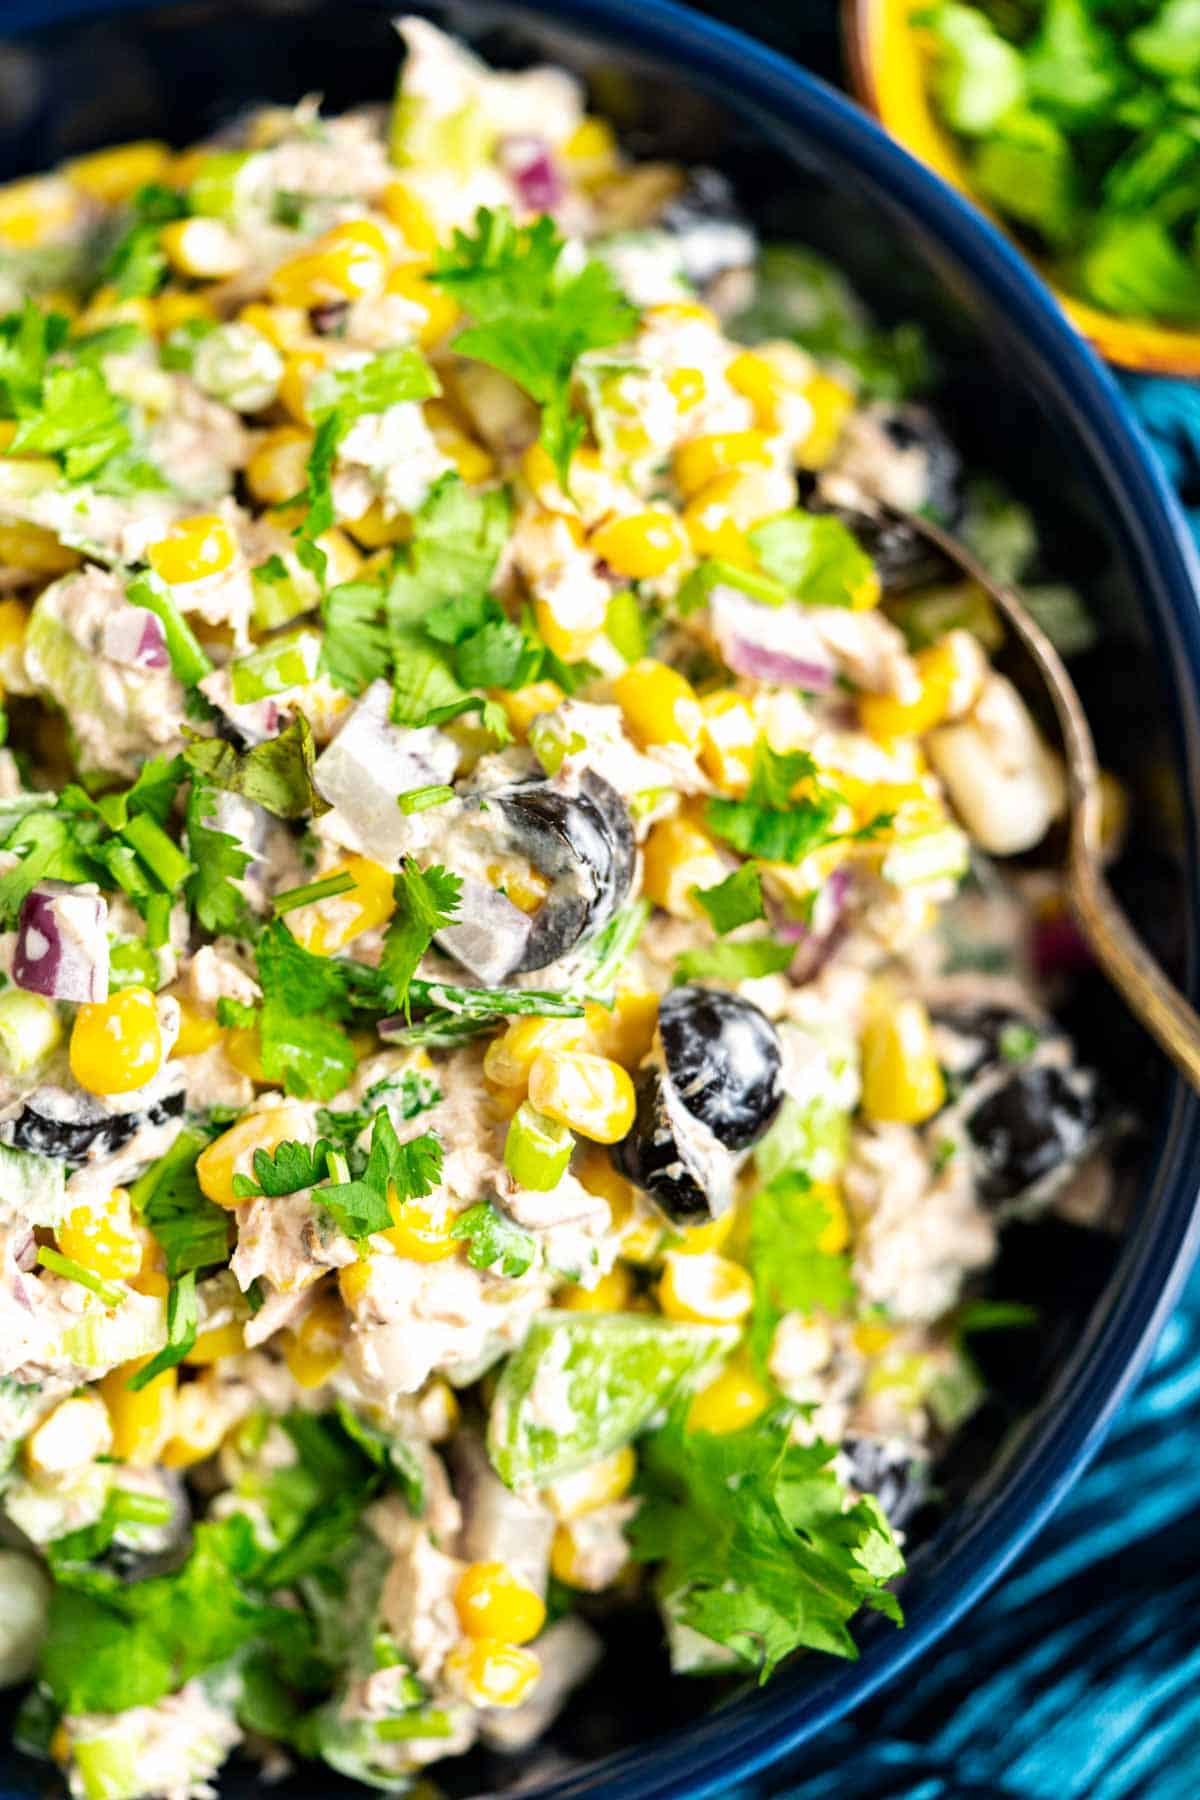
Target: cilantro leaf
x=756 y=1547
x=355 y=649
x=304 y=996
x=737 y=900
x=218 y=862
x=287 y=1169
x=792 y=1223
x=79 y=418
x=336 y=398
x=191 y=1229
x=277 y=774
x=492 y=1239
x=533 y=320
x=426 y=899
x=137 y=264
x=745 y=960
x=182 y=1321
x=53 y=852
x=816 y=558
x=27 y=341
x=405 y=1171
x=773 y=822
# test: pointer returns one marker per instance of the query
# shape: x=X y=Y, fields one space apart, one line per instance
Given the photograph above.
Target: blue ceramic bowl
x=1029 y=399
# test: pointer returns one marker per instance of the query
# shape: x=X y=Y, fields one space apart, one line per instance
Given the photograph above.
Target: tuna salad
x=516 y=1051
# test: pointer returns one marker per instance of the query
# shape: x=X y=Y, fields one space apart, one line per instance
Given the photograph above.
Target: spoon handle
x=1147 y=990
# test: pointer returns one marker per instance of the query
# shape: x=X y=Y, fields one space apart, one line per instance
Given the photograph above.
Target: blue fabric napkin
x=1078 y=1678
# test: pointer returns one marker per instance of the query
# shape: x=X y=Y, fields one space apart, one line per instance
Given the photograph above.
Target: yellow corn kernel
x=198 y=1030
x=492 y=1673
x=313 y=1352
x=348 y=263
x=233 y=1152
x=659 y=704
x=688 y=386
x=471 y=460
x=682 y=312
x=115 y=174
x=595 y=1172
x=714 y=1234
x=901 y=1078
x=103 y=1238
x=625 y=1031
x=835 y=1233
x=34 y=550
x=205 y=249
x=640 y=545
x=74 y=1434
x=410 y=216
x=522 y=705
x=14 y=621
x=441 y=309
x=706 y=1289
x=287 y=327
x=215 y=1345
x=151 y=1281
x=173 y=308
x=108 y=307
x=870 y=1337
x=831 y=402
x=194 y=550
x=591 y=148
x=278 y=469
x=702 y=459
x=509 y=1057
x=729 y=732
x=719 y=516
x=885 y=717
x=325 y=926
x=758 y=379
x=243 y=1048
x=116 y=1044
x=376 y=528
x=198 y=1425
x=37 y=210
x=612 y=1293
x=525 y=887
x=734 y=1398
x=566 y=1563
x=679 y=856
x=418 y=1233
x=342 y=559
x=600 y=1484
x=141 y=1421
x=588 y=1094
x=492 y=1602
x=354 y=1280
x=568 y=640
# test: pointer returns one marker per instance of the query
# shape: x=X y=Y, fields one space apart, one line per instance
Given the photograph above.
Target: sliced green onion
x=161 y=855
x=325 y=889
x=482 y=1003
x=158 y=922
x=131 y=1508
x=624 y=626
x=419 y=800
x=274 y=667
x=188 y=660
x=413 y=1725
x=70 y=1270
x=212 y=191
x=30 y=1028
x=131 y=962
x=536 y=1149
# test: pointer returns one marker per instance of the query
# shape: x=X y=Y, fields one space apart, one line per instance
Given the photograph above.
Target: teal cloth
x=1078 y=1678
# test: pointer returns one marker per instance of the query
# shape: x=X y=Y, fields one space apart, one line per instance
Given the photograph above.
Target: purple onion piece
x=816 y=942
x=761 y=664
x=62 y=944
x=769 y=643
x=528 y=161
x=134 y=637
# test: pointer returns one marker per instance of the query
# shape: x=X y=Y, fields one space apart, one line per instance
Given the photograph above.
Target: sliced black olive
x=916 y=428
x=583 y=841
x=1031 y=1131
x=716 y=1095
x=896 y=1473
x=710 y=230
x=723 y=1057
x=95 y=1133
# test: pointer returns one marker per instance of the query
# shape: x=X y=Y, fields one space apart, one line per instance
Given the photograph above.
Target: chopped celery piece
x=272 y=668
x=33 y=1188
x=536 y=1149
x=237 y=365
x=928 y=856
x=98 y=1339
x=457 y=141
x=282 y=591
x=213 y=190
x=624 y=625
x=132 y=963
x=599 y=1378
x=30 y=1029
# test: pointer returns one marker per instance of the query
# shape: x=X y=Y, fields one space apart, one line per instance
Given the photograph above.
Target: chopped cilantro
x=137 y=264
x=192 y=1231
x=426 y=899
x=494 y=1240
x=815 y=558
x=287 y=1169
x=533 y=316
x=744 y=960
x=218 y=861
x=336 y=398
x=277 y=774
x=354 y=649
x=394 y=1173
x=774 y=821
x=182 y=1321
x=737 y=900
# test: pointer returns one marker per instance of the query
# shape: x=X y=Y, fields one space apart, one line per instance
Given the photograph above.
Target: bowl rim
x=755 y=1731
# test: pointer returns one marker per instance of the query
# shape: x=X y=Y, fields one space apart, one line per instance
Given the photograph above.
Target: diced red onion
x=527 y=159
x=62 y=944
x=135 y=637
x=816 y=942
x=769 y=643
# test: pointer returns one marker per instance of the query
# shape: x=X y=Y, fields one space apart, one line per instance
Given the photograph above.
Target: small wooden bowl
x=888 y=72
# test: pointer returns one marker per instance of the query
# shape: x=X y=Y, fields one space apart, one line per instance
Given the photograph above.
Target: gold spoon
x=1154 y=999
